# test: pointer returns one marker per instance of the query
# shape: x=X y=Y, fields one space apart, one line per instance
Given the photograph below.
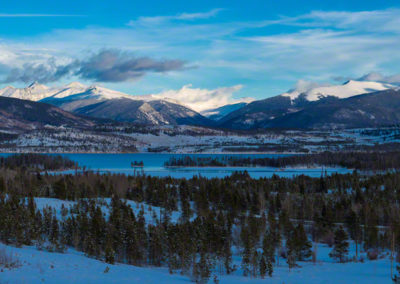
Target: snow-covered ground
x=289 y=141
x=74 y=267
x=188 y=139
x=35 y=266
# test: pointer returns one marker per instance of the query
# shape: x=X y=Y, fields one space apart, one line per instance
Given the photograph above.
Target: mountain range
x=99 y=102
x=352 y=104
x=295 y=108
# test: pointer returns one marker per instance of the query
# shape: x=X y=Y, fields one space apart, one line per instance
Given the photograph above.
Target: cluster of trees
x=268 y=219
x=37 y=162
x=371 y=160
x=193 y=161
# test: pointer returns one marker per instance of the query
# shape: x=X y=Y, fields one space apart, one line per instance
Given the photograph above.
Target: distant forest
x=37 y=162
x=374 y=161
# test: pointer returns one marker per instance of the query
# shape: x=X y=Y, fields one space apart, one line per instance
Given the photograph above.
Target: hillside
x=16 y=114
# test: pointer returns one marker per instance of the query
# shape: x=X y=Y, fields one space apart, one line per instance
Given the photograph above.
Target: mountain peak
x=347 y=89
x=348 y=82
x=37 y=86
x=34 y=83
x=76 y=85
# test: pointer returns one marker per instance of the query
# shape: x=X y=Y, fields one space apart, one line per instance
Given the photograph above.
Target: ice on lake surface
x=154 y=165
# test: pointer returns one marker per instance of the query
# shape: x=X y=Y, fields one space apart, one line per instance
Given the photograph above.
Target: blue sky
x=227 y=49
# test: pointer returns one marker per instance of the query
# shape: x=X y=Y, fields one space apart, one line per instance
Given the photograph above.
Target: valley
x=191 y=139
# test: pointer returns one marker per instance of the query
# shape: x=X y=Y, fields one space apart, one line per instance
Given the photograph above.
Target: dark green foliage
x=37 y=162
x=341 y=245
x=367 y=160
x=263 y=267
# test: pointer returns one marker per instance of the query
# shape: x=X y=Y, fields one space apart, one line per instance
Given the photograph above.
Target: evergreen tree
x=263 y=267
x=302 y=244
x=109 y=251
x=269 y=243
x=341 y=246
x=354 y=228
x=246 y=259
x=270 y=268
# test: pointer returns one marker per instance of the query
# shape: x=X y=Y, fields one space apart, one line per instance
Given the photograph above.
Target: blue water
x=154 y=165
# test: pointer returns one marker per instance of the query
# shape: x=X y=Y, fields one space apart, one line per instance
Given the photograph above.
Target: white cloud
x=179 y=17
x=304 y=86
x=378 y=77
x=371 y=21
x=320 y=46
x=37 y=15
x=194 y=16
x=203 y=99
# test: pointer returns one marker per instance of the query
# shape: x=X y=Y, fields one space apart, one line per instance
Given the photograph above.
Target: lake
x=154 y=165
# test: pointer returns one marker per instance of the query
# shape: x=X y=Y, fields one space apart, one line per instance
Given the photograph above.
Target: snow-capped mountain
x=346 y=90
x=38 y=92
x=34 y=92
x=101 y=102
x=218 y=113
x=308 y=105
x=271 y=112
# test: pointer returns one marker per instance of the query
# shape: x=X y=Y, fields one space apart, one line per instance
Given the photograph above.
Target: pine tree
x=109 y=251
x=341 y=246
x=270 y=268
x=302 y=244
x=204 y=271
x=263 y=267
x=54 y=237
x=254 y=263
x=291 y=250
x=246 y=258
x=291 y=259
x=269 y=247
x=354 y=228
x=227 y=256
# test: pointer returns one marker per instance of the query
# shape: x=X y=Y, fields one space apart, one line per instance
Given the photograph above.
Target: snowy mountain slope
x=156 y=112
x=105 y=103
x=34 y=92
x=346 y=90
x=271 y=112
x=97 y=101
x=38 y=92
x=367 y=110
x=218 y=113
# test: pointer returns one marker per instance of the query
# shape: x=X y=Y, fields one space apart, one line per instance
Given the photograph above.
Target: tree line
x=371 y=160
x=33 y=161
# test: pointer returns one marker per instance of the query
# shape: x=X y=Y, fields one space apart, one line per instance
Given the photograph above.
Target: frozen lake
x=154 y=165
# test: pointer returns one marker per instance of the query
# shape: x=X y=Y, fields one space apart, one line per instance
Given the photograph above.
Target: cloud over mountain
x=203 y=99
x=376 y=76
x=226 y=51
x=108 y=65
